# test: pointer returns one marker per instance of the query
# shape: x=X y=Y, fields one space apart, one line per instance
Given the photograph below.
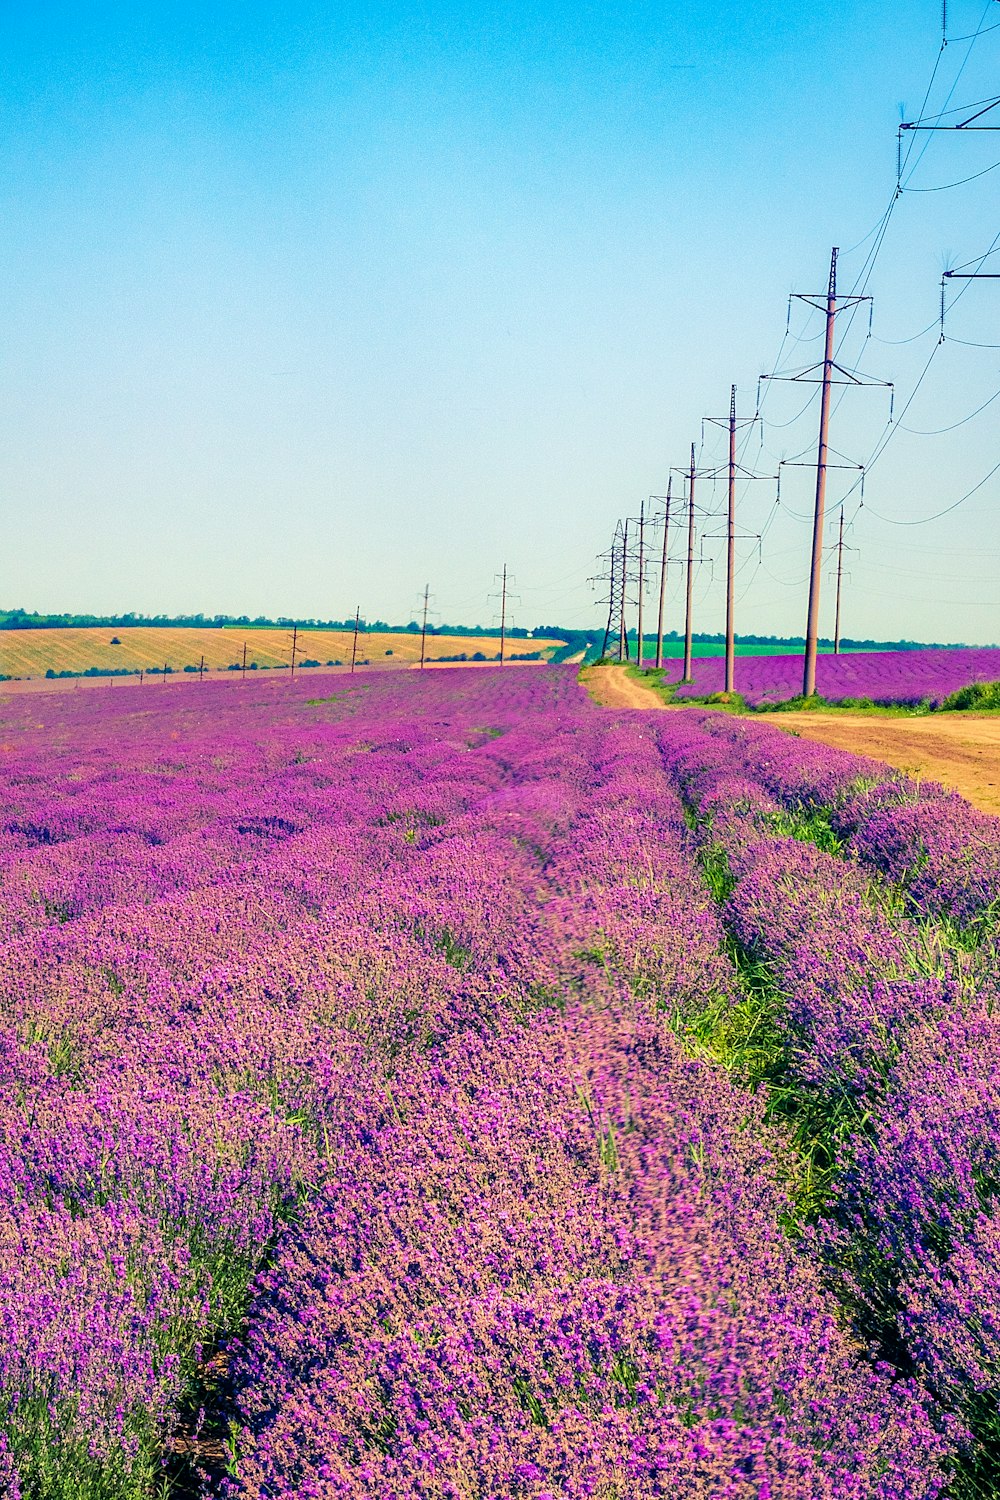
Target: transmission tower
x=615 y=642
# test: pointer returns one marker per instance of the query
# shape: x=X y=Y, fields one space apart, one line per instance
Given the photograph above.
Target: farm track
x=612 y=687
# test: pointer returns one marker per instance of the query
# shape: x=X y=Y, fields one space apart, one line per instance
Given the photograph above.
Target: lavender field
x=438 y=1086
x=908 y=678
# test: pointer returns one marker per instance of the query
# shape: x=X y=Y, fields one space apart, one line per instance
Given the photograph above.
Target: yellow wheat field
x=30 y=653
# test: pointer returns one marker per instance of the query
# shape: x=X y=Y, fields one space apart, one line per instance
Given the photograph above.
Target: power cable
x=973 y=35
x=944 y=187
x=913 y=336
x=923 y=520
x=937 y=431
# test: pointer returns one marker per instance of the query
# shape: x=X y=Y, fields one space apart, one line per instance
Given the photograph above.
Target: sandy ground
x=961 y=749
x=612 y=688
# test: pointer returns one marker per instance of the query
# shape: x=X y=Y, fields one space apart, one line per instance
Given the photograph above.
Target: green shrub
x=975 y=695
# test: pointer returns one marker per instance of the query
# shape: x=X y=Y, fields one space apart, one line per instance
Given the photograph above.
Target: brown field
x=30 y=653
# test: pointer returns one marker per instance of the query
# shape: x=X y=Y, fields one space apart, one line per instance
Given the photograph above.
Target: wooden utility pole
x=295 y=642
x=642 y=568
x=690 y=573
x=164 y=674
x=819 y=514
x=423 y=628
x=663 y=576
x=503 y=612
x=244 y=676
x=201 y=670
x=354 y=643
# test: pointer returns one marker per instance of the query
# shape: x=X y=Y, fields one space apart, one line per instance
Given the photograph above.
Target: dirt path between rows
x=962 y=750
x=611 y=687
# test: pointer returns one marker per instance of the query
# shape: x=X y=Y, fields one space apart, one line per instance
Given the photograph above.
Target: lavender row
x=912 y=1232
x=855 y=974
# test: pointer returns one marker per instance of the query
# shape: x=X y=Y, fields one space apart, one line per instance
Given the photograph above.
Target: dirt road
x=611 y=687
x=961 y=749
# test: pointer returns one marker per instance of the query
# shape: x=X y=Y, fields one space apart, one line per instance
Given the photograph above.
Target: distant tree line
x=575 y=638
x=22 y=619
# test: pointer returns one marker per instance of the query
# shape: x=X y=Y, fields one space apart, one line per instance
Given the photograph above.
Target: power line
x=944 y=187
x=938 y=514
x=937 y=431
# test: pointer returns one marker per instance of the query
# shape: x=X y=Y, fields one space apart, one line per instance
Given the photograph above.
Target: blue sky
x=308 y=305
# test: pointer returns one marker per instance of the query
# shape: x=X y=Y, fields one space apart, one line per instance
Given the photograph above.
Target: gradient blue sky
x=307 y=305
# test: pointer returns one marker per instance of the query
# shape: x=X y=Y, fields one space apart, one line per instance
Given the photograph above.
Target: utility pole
x=503 y=613
x=295 y=642
x=840 y=547
x=201 y=670
x=819 y=513
x=734 y=470
x=690 y=574
x=731 y=550
x=505 y=598
x=840 y=570
x=244 y=676
x=663 y=576
x=826 y=375
x=642 y=571
x=354 y=643
x=423 y=628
